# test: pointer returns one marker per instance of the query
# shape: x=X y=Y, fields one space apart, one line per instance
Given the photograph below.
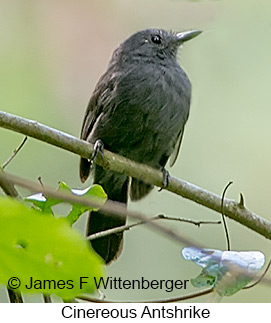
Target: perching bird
x=138 y=109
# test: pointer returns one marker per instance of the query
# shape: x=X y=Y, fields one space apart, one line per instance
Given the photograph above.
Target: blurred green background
x=51 y=56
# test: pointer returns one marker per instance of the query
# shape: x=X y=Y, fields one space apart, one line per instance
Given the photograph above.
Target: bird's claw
x=166 y=179
x=97 y=149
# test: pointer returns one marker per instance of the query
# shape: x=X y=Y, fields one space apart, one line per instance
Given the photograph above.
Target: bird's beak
x=187 y=35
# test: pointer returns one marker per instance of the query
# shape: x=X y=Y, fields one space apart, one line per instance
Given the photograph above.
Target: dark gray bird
x=138 y=109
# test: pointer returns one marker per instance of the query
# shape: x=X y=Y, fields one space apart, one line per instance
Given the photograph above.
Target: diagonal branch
x=127 y=227
x=232 y=209
x=109 y=206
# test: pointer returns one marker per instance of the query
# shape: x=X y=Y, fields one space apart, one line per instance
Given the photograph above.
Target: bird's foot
x=166 y=179
x=97 y=149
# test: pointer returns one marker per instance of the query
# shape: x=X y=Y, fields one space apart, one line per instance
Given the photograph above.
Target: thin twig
x=127 y=227
x=40 y=180
x=165 y=300
x=122 y=228
x=196 y=223
x=260 y=278
x=47 y=298
x=223 y=217
x=14 y=297
x=15 y=152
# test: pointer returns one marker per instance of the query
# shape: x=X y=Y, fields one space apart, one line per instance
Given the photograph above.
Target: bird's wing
x=176 y=150
x=90 y=118
x=93 y=113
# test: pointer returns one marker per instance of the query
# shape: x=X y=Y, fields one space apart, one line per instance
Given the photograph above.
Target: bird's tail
x=116 y=187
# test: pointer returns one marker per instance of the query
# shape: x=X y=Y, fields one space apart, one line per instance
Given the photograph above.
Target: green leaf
x=94 y=192
x=43 y=203
x=226 y=271
x=97 y=195
x=44 y=248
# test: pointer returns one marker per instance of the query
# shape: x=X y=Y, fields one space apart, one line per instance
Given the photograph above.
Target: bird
x=138 y=109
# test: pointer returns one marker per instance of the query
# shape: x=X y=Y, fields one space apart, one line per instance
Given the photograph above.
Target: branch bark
x=232 y=209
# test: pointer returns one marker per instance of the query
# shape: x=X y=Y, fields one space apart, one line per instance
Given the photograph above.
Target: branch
x=165 y=300
x=15 y=152
x=117 y=163
x=111 y=207
x=7 y=187
x=127 y=227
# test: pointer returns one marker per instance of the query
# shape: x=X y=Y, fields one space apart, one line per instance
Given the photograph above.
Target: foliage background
x=51 y=56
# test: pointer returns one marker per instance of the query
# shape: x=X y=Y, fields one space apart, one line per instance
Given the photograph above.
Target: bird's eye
x=156 y=39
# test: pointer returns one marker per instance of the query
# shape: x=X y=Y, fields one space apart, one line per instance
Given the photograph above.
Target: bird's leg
x=98 y=149
x=166 y=179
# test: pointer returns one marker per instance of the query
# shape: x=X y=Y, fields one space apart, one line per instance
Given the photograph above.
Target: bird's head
x=150 y=43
